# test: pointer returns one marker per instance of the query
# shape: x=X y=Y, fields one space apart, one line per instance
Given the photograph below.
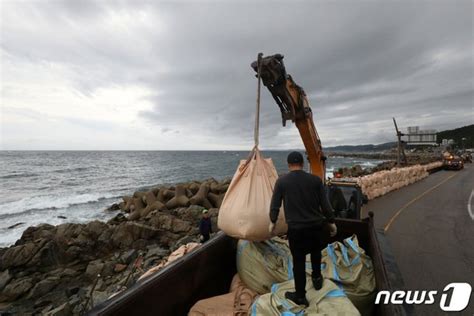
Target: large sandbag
x=260 y=264
x=329 y=300
x=348 y=266
x=237 y=302
x=244 y=212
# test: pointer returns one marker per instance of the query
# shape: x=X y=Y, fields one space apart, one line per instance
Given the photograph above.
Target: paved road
x=431 y=232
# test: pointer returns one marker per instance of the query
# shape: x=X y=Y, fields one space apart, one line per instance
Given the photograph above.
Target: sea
x=55 y=187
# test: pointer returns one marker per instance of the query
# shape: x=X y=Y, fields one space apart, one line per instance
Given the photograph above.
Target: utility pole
x=401 y=149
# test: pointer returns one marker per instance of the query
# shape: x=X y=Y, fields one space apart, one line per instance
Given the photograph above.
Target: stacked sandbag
x=237 y=302
x=261 y=264
x=244 y=210
x=329 y=300
x=382 y=182
x=433 y=165
x=347 y=265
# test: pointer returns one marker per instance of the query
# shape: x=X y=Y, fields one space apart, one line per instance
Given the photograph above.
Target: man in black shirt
x=307 y=210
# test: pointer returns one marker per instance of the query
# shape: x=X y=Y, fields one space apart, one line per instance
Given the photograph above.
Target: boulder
x=156 y=251
x=95 y=229
x=180 y=199
x=113 y=207
x=20 y=255
x=125 y=234
x=16 y=289
x=62 y=310
x=5 y=277
x=120 y=267
x=43 y=287
x=128 y=256
x=94 y=268
x=32 y=233
x=162 y=221
x=180 y=226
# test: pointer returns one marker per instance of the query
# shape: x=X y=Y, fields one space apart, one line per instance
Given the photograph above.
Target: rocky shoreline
x=69 y=268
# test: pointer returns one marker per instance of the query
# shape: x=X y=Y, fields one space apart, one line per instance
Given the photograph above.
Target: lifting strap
x=257 y=111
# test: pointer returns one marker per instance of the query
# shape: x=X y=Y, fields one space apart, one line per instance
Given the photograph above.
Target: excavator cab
x=346 y=198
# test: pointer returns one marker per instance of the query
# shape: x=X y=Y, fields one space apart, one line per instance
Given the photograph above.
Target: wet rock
x=180 y=226
x=32 y=233
x=61 y=217
x=43 y=287
x=94 y=268
x=95 y=229
x=120 y=267
x=129 y=256
x=68 y=273
x=127 y=233
x=117 y=219
x=20 y=255
x=15 y=225
x=99 y=297
x=156 y=251
x=62 y=310
x=113 y=207
x=5 y=277
x=16 y=289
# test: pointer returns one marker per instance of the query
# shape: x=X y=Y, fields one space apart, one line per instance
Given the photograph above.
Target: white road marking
x=469 y=209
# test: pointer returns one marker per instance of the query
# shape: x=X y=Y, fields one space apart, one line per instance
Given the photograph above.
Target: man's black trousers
x=305 y=241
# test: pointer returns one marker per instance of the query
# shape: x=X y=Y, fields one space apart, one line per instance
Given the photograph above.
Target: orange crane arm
x=294 y=106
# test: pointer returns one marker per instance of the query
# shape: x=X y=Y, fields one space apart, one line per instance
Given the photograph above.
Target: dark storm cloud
x=359 y=62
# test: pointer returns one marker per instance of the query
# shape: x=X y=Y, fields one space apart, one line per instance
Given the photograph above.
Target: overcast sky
x=161 y=75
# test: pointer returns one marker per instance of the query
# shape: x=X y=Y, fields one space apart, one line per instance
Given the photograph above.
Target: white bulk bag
x=245 y=210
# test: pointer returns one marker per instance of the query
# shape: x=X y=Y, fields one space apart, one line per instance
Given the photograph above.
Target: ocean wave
x=52 y=202
x=19 y=175
x=67 y=170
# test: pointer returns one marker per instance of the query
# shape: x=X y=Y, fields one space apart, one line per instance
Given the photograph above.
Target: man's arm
x=325 y=206
x=277 y=197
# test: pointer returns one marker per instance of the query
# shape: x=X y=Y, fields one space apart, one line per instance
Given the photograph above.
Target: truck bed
x=208 y=271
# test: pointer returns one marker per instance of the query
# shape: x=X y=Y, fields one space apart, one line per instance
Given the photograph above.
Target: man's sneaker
x=296 y=299
x=317 y=282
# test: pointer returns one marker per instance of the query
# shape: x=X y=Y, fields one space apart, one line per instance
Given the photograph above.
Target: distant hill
x=361 y=148
x=457 y=135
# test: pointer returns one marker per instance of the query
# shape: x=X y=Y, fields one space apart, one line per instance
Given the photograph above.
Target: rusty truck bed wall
x=208 y=271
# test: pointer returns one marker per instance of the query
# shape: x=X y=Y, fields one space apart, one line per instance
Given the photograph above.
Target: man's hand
x=332 y=229
x=271 y=228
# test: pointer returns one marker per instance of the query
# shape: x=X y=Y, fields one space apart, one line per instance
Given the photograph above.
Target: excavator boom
x=294 y=106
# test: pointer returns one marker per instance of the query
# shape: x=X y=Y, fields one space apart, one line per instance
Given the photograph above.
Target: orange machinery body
x=294 y=106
